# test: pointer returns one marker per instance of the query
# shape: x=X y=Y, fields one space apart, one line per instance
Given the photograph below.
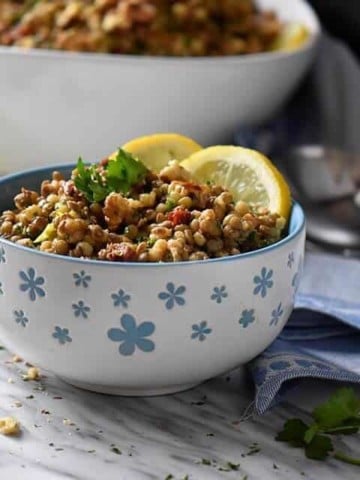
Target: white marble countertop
x=73 y=434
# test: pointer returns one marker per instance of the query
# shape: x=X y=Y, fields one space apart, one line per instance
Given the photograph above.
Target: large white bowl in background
x=142 y=328
x=55 y=106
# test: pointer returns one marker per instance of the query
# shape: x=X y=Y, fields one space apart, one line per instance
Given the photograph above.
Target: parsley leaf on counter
x=342 y=407
x=340 y=414
x=118 y=175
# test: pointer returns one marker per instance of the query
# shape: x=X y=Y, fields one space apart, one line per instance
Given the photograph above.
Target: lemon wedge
x=155 y=151
x=292 y=37
x=249 y=175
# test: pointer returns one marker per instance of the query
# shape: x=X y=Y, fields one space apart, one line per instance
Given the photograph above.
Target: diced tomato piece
x=179 y=216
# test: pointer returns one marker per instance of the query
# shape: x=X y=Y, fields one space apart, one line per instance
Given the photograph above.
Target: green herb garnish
x=119 y=175
x=229 y=467
x=170 y=204
x=151 y=242
x=340 y=414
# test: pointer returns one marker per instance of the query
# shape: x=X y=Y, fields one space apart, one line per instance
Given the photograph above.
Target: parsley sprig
x=119 y=175
x=340 y=414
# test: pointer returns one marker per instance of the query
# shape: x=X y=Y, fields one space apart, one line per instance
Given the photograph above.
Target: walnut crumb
x=33 y=373
x=9 y=426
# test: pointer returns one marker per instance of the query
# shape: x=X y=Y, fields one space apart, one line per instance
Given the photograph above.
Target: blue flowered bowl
x=142 y=328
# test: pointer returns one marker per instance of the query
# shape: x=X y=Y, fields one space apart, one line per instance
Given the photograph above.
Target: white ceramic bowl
x=142 y=328
x=55 y=106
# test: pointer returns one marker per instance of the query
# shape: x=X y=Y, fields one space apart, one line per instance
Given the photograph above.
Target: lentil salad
x=146 y=27
x=118 y=210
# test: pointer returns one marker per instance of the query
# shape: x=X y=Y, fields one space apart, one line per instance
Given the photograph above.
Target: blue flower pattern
x=268 y=369
x=276 y=314
x=295 y=281
x=82 y=279
x=32 y=284
x=280 y=365
x=303 y=363
x=132 y=336
x=200 y=331
x=20 y=318
x=291 y=259
x=62 y=335
x=259 y=374
x=2 y=255
x=219 y=293
x=247 y=317
x=80 y=309
x=263 y=282
x=173 y=295
x=121 y=298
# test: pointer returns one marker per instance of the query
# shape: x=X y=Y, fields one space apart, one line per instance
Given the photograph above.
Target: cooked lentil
x=151 y=223
x=150 y=27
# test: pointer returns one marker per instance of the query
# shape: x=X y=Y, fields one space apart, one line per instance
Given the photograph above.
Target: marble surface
x=73 y=434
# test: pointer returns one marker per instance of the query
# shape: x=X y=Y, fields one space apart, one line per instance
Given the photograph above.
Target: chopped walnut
x=9 y=426
x=33 y=373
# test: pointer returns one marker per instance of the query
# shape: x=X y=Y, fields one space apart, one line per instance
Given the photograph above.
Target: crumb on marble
x=9 y=426
x=68 y=422
x=39 y=388
x=16 y=359
x=33 y=373
x=10 y=380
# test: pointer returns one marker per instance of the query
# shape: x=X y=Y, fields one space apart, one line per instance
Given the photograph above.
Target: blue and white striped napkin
x=322 y=336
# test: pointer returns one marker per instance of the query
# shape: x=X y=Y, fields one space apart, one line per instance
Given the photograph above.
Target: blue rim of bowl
x=295 y=209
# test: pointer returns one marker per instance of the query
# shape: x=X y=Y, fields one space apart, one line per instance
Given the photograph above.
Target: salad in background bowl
x=83 y=102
